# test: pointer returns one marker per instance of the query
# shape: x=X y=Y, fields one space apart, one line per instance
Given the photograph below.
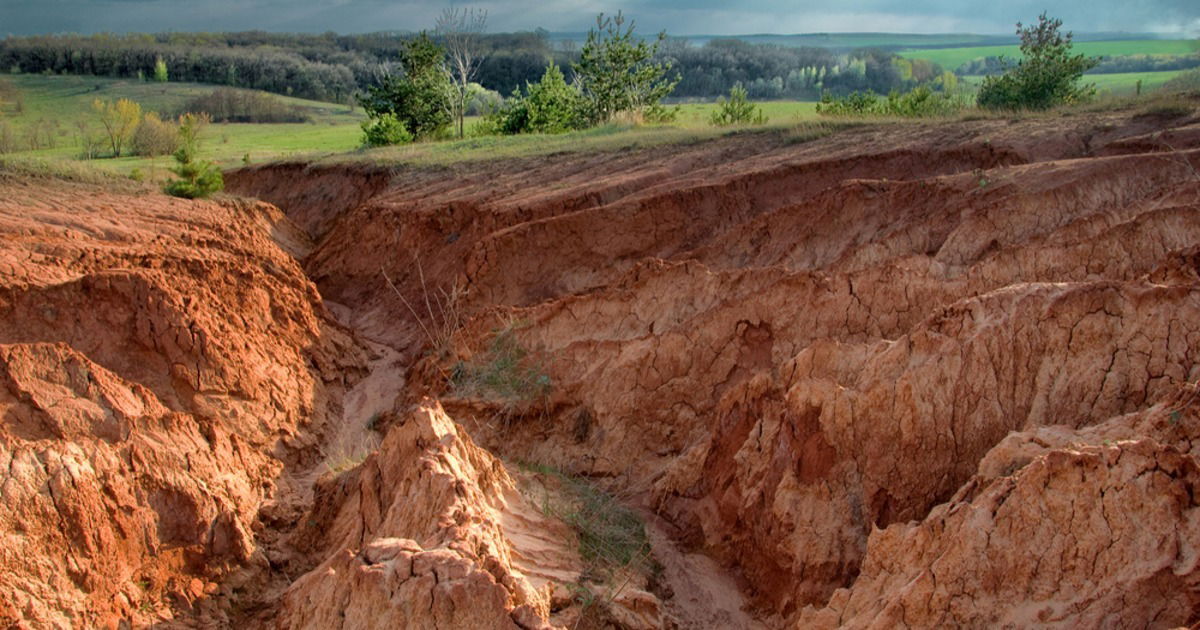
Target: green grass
x=863 y=40
x=951 y=58
x=334 y=130
x=611 y=536
x=1122 y=83
x=697 y=115
x=66 y=99
x=22 y=168
x=604 y=139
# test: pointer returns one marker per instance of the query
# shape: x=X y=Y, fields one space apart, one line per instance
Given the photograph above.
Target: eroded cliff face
x=793 y=352
x=163 y=363
x=923 y=375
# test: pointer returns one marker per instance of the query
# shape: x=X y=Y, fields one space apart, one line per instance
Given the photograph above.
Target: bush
x=420 y=98
x=155 y=136
x=1047 y=76
x=8 y=139
x=737 y=110
x=548 y=106
x=618 y=72
x=483 y=101
x=384 y=131
x=197 y=178
x=244 y=106
x=119 y=120
x=919 y=102
x=1184 y=82
x=554 y=106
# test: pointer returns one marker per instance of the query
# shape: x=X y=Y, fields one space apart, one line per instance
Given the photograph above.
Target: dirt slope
x=918 y=374
x=796 y=353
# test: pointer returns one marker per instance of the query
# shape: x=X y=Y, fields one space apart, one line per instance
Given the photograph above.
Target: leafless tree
x=461 y=33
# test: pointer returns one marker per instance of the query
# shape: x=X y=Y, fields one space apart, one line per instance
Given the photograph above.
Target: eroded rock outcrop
x=416 y=538
x=798 y=355
x=160 y=363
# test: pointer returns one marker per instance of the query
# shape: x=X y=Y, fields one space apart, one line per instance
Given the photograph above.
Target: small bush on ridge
x=737 y=110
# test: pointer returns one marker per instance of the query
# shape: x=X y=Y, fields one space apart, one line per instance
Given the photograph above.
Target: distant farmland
x=951 y=58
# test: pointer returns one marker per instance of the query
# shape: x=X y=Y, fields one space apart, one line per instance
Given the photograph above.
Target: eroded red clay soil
x=912 y=375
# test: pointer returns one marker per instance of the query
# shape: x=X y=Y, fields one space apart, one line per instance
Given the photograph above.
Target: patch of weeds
x=612 y=541
x=1168 y=109
x=507 y=373
x=345 y=454
x=23 y=168
x=443 y=310
x=983 y=180
x=612 y=537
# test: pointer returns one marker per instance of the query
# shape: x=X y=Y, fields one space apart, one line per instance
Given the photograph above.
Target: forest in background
x=331 y=67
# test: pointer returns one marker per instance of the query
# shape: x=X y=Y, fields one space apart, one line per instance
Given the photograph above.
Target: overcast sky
x=678 y=17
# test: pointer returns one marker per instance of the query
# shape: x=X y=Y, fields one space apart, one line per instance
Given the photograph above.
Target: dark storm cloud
x=679 y=17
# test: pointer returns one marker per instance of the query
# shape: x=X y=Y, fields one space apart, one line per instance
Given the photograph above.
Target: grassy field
x=335 y=133
x=951 y=58
x=697 y=115
x=1118 y=84
x=66 y=99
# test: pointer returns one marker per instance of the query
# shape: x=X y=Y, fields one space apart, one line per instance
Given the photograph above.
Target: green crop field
x=1121 y=83
x=64 y=100
x=951 y=58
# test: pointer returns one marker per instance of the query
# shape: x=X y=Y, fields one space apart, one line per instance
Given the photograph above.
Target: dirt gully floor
x=909 y=375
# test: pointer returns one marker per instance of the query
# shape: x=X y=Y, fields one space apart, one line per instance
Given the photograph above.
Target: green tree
x=549 y=106
x=1047 y=75
x=554 y=106
x=197 y=178
x=616 y=71
x=120 y=120
x=738 y=110
x=160 y=70
x=420 y=98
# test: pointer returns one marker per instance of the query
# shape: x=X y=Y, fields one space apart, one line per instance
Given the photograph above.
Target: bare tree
x=461 y=33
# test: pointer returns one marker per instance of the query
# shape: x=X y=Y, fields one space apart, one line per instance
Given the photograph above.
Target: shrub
x=155 y=136
x=385 y=130
x=420 y=98
x=8 y=139
x=90 y=142
x=919 y=102
x=119 y=120
x=619 y=72
x=737 y=110
x=244 y=106
x=483 y=101
x=548 y=106
x=659 y=114
x=1184 y=82
x=197 y=178
x=1048 y=75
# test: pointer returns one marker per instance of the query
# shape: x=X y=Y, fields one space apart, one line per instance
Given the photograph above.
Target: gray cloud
x=677 y=17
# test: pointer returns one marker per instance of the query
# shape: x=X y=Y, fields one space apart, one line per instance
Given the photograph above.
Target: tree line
x=1105 y=65
x=331 y=67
